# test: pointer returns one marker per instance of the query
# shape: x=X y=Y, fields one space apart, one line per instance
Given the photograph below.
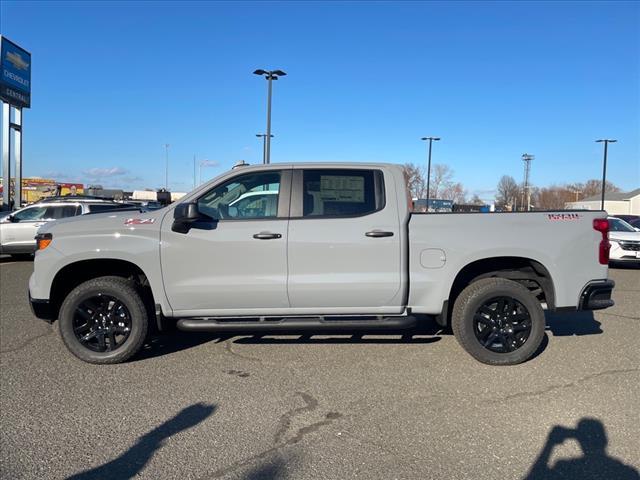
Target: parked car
x=633 y=220
x=625 y=241
x=340 y=251
x=18 y=229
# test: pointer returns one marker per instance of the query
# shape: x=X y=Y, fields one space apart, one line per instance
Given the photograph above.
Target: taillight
x=43 y=240
x=602 y=226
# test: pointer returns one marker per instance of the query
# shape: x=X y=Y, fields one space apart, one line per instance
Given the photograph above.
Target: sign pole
x=17 y=148
x=6 y=158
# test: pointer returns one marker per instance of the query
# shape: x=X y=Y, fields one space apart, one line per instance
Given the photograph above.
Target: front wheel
x=498 y=321
x=103 y=320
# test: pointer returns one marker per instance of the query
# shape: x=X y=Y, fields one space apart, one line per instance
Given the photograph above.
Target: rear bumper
x=597 y=295
x=42 y=309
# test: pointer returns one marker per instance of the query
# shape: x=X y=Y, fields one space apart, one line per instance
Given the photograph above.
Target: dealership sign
x=15 y=80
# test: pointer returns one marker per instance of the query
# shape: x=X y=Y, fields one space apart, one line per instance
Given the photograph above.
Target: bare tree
x=552 y=198
x=415 y=180
x=453 y=191
x=594 y=187
x=476 y=200
x=508 y=191
x=441 y=180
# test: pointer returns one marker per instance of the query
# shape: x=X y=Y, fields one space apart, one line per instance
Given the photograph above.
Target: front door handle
x=266 y=236
x=379 y=234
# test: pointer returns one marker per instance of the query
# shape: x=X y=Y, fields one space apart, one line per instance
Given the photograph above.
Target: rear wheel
x=498 y=321
x=103 y=320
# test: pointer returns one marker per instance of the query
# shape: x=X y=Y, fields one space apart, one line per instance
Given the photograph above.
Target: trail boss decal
x=139 y=221
x=564 y=216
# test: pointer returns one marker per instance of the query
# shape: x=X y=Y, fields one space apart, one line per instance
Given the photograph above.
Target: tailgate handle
x=266 y=236
x=379 y=234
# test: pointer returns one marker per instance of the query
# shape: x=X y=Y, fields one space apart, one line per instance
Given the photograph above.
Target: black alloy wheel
x=502 y=324
x=102 y=323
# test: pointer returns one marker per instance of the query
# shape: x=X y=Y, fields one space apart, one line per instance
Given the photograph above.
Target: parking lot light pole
x=606 y=142
x=264 y=145
x=270 y=75
x=166 y=168
x=431 y=140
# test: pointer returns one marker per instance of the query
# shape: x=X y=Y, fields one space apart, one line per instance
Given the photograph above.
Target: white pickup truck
x=316 y=247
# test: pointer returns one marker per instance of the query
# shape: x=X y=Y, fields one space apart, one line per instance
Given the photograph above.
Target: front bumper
x=597 y=295
x=42 y=309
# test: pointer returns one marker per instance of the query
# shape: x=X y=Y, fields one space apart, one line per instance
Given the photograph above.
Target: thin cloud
x=209 y=163
x=104 y=172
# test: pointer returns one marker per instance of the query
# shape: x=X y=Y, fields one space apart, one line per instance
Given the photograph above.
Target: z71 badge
x=139 y=221
x=564 y=216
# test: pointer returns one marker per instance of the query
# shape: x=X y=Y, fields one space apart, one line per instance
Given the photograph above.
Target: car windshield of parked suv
x=617 y=225
x=28 y=214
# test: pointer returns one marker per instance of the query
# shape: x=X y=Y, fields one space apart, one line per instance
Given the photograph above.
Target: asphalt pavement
x=412 y=406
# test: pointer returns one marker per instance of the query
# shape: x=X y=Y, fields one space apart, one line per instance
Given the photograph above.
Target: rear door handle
x=379 y=234
x=266 y=236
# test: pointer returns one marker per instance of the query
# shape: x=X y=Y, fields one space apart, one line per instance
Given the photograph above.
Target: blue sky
x=113 y=82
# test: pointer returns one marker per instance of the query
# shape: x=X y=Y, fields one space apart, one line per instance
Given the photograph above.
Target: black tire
x=111 y=291
x=489 y=334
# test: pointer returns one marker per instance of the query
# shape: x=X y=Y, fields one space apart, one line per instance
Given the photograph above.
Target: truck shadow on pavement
x=131 y=462
x=427 y=331
x=594 y=463
x=176 y=341
x=574 y=323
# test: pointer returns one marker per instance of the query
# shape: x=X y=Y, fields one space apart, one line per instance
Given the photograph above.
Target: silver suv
x=18 y=229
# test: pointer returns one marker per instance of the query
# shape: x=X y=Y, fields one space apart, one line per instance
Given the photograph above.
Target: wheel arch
x=75 y=273
x=526 y=271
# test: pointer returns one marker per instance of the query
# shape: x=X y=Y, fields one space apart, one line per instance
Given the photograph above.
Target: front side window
x=250 y=196
x=339 y=193
x=30 y=214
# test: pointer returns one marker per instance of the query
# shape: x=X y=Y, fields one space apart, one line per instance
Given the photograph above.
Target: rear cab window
x=331 y=193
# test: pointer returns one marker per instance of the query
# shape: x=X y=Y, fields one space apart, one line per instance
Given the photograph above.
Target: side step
x=295 y=324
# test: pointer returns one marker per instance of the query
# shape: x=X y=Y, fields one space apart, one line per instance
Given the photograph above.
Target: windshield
x=617 y=225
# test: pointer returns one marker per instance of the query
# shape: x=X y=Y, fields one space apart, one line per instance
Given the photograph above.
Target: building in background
x=615 y=203
x=36 y=188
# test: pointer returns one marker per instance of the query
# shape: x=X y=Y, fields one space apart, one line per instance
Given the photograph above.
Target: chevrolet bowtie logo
x=16 y=59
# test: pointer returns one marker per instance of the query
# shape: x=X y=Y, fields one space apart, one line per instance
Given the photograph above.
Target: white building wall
x=612 y=207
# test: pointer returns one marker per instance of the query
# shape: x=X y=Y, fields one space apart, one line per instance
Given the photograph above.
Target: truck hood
x=615 y=236
x=108 y=222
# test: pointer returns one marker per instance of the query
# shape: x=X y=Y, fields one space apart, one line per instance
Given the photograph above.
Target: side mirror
x=184 y=215
x=186 y=212
x=12 y=218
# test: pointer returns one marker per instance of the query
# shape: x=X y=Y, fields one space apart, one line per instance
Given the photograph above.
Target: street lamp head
x=260 y=72
x=278 y=72
x=606 y=140
x=435 y=139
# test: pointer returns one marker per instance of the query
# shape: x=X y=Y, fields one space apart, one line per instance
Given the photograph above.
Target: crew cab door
x=234 y=260
x=344 y=242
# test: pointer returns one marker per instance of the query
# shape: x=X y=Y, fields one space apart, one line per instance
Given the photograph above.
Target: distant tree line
x=509 y=193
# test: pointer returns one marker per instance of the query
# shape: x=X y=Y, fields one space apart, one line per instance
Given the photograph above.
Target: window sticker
x=342 y=188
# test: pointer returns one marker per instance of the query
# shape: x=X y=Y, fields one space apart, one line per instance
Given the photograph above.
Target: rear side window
x=104 y=207
x=58 y=212
x=341 y=193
